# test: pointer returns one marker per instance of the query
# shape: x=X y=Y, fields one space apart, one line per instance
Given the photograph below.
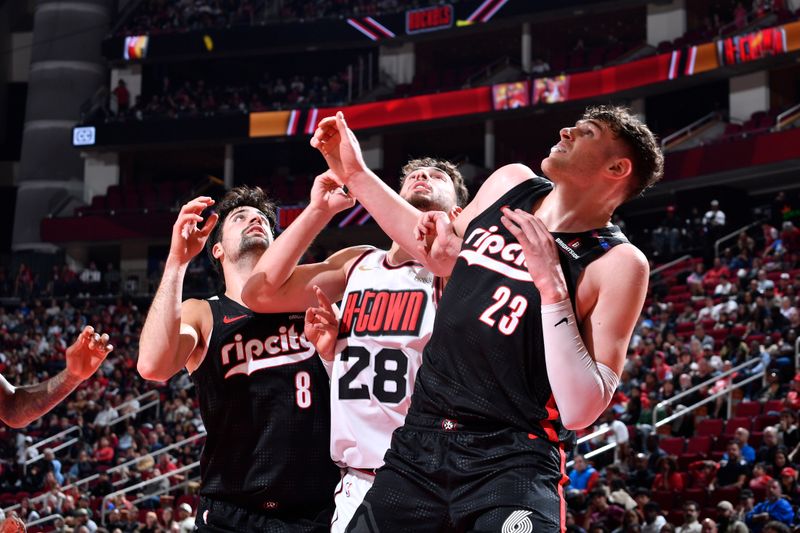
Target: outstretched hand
x=439 y=245
x=339 y=147
x=328 y=195
x=187 y=239
x=321 y=326
x=87 y=353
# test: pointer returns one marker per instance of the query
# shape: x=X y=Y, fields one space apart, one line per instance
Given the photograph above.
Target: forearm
x=282 y=256
x=160 y=338
x=395 y=216
x=570 y=368
x=23 y=405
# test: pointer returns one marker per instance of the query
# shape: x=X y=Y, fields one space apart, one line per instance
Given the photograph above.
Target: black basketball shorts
x=440 y=477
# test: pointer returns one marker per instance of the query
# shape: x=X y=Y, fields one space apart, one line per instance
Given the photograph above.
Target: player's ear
x=620 y=168
x=217 y=251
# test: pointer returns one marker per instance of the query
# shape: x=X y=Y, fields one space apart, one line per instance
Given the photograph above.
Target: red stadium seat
x=711 y=427
x=775 y=406
x=673 y=445
x=699 y=445
x=748 y=409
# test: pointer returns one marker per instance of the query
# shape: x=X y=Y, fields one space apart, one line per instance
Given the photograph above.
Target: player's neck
x=571 y=209
x=236 y=275
x=397 y=255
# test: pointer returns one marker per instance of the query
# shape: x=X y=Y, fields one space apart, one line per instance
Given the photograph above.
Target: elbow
x=150 y=371
x=578 y=420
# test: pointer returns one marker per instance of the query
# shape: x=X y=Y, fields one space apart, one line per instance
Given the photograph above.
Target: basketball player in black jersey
x=531 y=333
x=263 y=392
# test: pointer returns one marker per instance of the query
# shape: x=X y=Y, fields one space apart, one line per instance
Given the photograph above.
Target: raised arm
x=171 y=331
x=277 y=283
x=339 y=146
x=586 y=356
x=19 y=406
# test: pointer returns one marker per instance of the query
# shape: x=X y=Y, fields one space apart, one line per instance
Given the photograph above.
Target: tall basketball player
x=388 y=305
x=531 y=332
x=264 y=395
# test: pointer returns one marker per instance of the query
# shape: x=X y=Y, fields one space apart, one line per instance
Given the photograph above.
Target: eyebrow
x=244 y=209
x=590 y=122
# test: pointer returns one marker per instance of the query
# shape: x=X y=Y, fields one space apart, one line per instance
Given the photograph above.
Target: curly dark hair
x=648 y=160
x=462 y=195
x=243 y=196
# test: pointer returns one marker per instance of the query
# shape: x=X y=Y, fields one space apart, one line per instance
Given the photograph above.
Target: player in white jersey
x=388 y=303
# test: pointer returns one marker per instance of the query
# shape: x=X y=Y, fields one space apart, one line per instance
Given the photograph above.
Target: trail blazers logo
x=252 y=355
x=377 y=313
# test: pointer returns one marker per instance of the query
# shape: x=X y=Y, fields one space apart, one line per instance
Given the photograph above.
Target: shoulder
x=624 y=263
x=195 y=313
x=347 y=257
x=496 y=185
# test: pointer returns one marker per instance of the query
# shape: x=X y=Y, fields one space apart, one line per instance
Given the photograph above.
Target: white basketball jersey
x=386 y=320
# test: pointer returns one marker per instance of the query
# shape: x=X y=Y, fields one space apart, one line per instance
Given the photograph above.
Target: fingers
x=209 y=225
x=323 y=299
x=197 y=205
x=87 y=333
x=454 y=212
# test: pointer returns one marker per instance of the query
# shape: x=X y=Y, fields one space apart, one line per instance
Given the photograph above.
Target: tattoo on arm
x=22 y=405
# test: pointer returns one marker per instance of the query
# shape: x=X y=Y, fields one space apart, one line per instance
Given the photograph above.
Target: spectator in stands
x=122 y=96
x=702 y=474
x=185 y=518
x=775 y=527
x=106 y=415
x=741 y=436
x=788 y=434
x=708 y=526
x=641 y=476
x=21 y=405
x=788 y=480
x=726 y=519
x=769 y=446
x=760 y=479
x=583 y=475
x=690 y=524
x=775 y=507
x=151 y=524
x=84 y=520
x=602 y=513
x=668 y=478
x=733 y=471
x=653 y=519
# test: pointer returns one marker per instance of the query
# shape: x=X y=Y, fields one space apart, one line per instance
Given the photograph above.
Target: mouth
x=558 y=149
x=421 y=186
x=255 y=229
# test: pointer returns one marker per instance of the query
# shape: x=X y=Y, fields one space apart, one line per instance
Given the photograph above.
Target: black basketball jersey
x=484 y=366
x=265 y=402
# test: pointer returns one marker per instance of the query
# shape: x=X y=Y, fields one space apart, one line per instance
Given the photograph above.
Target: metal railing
x=708 y=383
x=731 y=235
x=687 y=131
x=112 y=470
x=658 y=423
x=141 y=485
x=44 y=520
x=66 y=444
x=156 y=402
x=671 y=264
x=787 y=117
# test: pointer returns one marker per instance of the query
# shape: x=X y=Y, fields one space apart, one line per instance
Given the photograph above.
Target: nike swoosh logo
x=229 y=319
x=365 y=268
x=562 y=321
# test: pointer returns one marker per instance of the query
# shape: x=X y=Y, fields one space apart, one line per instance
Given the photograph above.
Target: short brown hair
x=648 y=160
x=462 y=195
x=243 y=196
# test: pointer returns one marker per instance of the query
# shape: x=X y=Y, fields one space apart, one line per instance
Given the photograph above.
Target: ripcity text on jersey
x=265 y=402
